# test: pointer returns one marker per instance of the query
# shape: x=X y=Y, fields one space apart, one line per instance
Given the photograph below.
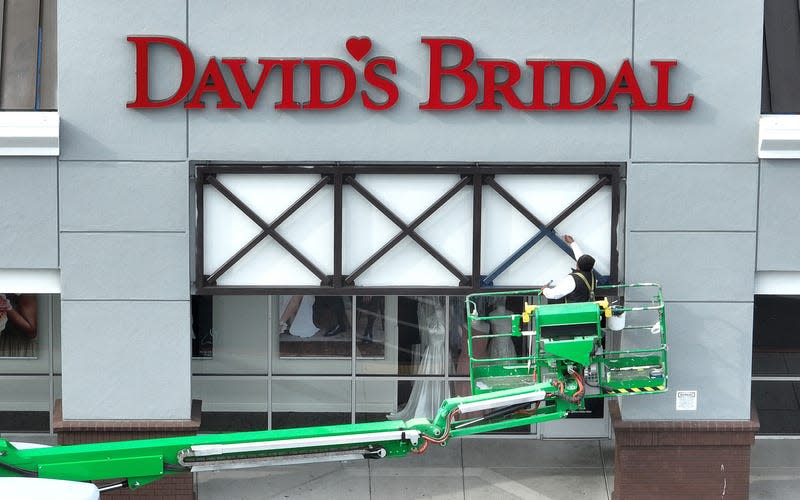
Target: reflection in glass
x=371 y=326
x=314 y=326
x=202 y=322
x=427 y=395
x=776 y=335
x=18 y=329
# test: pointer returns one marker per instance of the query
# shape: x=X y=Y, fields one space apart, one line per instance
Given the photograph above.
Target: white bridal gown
x=427 y=395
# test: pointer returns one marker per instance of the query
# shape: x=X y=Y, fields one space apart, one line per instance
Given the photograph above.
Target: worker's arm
x=564 y=287
x=576 y=250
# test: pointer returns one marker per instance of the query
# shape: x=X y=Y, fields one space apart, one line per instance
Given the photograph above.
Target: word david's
x=494 y=79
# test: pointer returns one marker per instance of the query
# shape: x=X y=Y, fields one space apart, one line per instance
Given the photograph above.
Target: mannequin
x=427 y=395
x=297 y=316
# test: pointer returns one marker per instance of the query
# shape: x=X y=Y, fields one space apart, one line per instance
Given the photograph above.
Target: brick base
x=695 y=459
x=173 y=487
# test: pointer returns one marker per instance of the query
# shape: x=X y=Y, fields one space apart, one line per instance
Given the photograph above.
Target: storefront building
x=264 y=207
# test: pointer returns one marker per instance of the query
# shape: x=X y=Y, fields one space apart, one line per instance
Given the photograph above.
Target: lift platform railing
x=578 y=333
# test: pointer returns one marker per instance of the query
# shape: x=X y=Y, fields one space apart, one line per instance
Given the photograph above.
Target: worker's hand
x=569 y=239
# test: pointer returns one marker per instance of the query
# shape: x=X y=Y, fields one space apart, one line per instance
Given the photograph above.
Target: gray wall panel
x=716 y=267
x=126 y=360
x=692 y=197
x=153 y=266
x=710 y=352
x=779 y=216
x=29 y=207
x=718 y=47
x=96 y=80
x=120 y=196
x=514 y=29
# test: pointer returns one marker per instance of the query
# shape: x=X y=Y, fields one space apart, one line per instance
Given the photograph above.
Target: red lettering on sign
x=598 y=85
x=662 y=101
x=500 y=79
x=142 y=44
x=459 y=71
x=491 y=87
x=212 y=82
x=538 y=67
x=625 y=83
x=381 y=83
x=315 y=67
x=250 y=94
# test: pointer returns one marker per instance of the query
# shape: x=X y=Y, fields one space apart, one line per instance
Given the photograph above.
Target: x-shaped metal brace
x=268 y=229
x=407 y=230
x=545 y=230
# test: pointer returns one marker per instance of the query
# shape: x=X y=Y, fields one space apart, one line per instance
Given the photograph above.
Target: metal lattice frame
x=478 y=175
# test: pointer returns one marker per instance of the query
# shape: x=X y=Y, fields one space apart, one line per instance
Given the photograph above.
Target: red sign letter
x=381 y=83
x=662 y=102
x=315 y=67
x=491 y=86
x=250 y=95
x=212 y=82
x=142 y=44
x=625 y=83
x=564 y=101
x=458 y=71
x=538 y=67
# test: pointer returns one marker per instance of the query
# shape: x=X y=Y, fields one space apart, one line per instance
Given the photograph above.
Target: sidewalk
x=465 y=469
x=474 y=468
x=483 y=468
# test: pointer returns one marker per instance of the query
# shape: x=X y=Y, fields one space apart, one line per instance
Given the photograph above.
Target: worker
x=577 y=286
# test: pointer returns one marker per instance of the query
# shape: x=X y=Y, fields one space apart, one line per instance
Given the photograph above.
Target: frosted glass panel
x=407 y=195
x=449 y=230
x=268 y=264
x=546 y=195
x=366 y=229
x=228 y=229
x=590 y=224
x=505 y=230
x=268 y=195
x=407 y=264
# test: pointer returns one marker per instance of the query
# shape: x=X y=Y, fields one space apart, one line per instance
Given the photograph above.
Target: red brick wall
x=682 y=459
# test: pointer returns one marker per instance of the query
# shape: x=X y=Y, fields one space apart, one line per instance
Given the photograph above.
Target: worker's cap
x=586 y=262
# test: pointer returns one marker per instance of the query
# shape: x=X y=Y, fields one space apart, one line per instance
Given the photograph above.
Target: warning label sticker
x=686 y=400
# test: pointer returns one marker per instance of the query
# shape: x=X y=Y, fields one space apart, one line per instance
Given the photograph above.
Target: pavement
x=474 y=468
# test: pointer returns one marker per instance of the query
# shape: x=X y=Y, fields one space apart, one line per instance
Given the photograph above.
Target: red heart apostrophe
x=358 y=46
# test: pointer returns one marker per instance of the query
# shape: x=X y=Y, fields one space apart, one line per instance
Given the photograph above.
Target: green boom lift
x=569 y=357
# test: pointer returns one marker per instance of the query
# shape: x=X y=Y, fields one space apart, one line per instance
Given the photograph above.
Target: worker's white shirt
x=565 y=285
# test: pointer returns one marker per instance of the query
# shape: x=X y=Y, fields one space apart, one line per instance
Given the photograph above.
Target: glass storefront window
x=314 y=326
x=404 y=336
x=289 y=360
x=29 y=360
x=776 y=363
x=776 y=335
x=18 y=325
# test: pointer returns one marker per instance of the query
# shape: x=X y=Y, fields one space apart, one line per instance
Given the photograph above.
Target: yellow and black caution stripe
x=635 y=390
